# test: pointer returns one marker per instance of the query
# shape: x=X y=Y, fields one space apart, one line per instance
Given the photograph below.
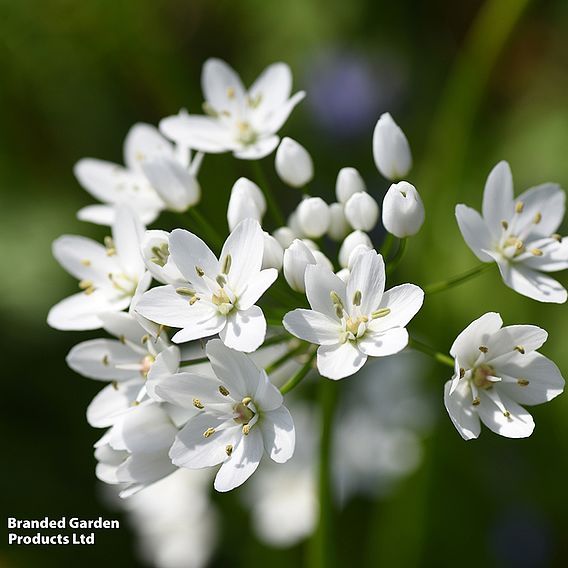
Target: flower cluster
x=201 y=324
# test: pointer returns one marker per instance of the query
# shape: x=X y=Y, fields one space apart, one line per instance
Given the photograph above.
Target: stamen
x=109 y=244
x=483 y=348
x=335 y=298
x=87 y=286
x=114 y=385
x=193 y=300
x=254 y=102
x=197 y=403
x=224 y=391
x=357 y=298
x=556 y=237
x=381 y=313
x=246 y=429
x=209 y=110
x=519 y=245
x=209 y=432
x=462 y=372
x=231 y=93
x=520 y=349
x=476 y=401
x=161 y=254
x=86 y=262
x=106 y=361
x=227 y=264
x=523 y=382
x=182 y=291
x=246 y=400
x=536 y=252
x=122 y=339
x=505 y=225
x=221 y=280
x=229 y=449
x=519 y=207
x=144 y=339
x=200 y=271
x=135 y=403
x=507 y=414
x=537 y=218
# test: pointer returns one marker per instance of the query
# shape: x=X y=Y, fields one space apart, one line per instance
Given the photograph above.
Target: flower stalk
x=456 y=280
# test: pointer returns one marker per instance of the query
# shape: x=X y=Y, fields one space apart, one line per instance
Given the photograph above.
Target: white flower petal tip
x=498 y=369
x=390 y=149
x=240 y=418
x=354 y=318
x=215 y=295
x=236 y=120
x=519 y=234
x=293 y=163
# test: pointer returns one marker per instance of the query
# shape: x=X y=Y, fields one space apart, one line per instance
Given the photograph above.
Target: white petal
x=245 y=245
x=404 y=301
x=555 y=255
x=474 y=231
x=545 y=380
x=476 y=334
x=340 y=360
x=144 y=142
x=222 y=87
x=459 y=407
x=272 y=88
x=99 y=358
x=273 y=121
x=188 y=252
x=498 y=198
x=182 y=389
x=532 y=284
x=547 y=199
x=368 y=278
x=312 y=326
x=147 y=429
x=144 y=469
x=112 y=402
x=123 y=325
x=105 y=214
x=519 y=424
x=320 y=282
x=385 y=343
x=201 y=133
x=505 y=341
x=257 y=287
x=278 y=434
x=127 y=232
x=245 y=330
x=242 y=464
x=193 y=450
x=267 y=396
x=260 y=149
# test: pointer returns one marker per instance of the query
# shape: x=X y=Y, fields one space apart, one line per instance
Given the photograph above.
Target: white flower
x=238 y=121
x=219 y=295
x=390 y=149
x=403 y=210
x=273 y=252
x=351 y=242
x=134 y=452
x=108 y=276
x=355 y=319
x=496 y=370
x=241 y=416
x=293 y=163
x=338 y=225
x=296 y=258
x=313 y=217
x=246 y=202
x=349 y=182
x=519 y=234
x=134 y=362
x=155 y=177
x=362 y=211
x=156 y=255
x=285 y=236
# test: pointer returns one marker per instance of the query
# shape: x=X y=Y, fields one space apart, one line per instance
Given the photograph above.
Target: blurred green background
x=470 y=82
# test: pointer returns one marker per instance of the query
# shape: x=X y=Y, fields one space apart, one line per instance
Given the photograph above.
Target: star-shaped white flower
x=354 y=319
x=156 y=176
x=239 y=121
x=496 y=370
x=220 y=295
x=108 y=275
x=519 y=234
x=240 y=417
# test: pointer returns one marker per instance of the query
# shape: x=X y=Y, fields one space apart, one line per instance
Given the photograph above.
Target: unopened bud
x=403 y=210
x=362 y=211
x=293 y=163
x=349 y=182
x=390 y=149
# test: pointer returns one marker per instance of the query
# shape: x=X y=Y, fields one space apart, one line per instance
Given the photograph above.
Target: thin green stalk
x=386 y=246
x=323 y=542
x=397 y=257
x=285 y=358
x=275 y=212
x=297 y=377
x=209 y=232
x=456 y=280
x=440 y=357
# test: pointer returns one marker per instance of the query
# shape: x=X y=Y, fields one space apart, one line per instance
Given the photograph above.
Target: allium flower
x=108 y=275
x=496 y=370
x=293 y=163
x=519 y=234
x=219 y=295
x=156 y=176
x=238 y=121
x=355 y=319
x=391 y=149
x=240 y=417
x=403 y=210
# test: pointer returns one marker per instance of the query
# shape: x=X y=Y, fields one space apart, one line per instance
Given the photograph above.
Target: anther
x=209 y=432
x=519 y=245
x=519 y=207
x=537 y=218
x=224 y=390
x=144 y=339
x=381 y=313
x=229 y=449
x=198 y=404
x=246 y=429
x=336 y=299
x=209 y=110
x=523 y=382
x=200 y=271
x=483 y=348
x=122 y=339
x=231 y=93
x=114 y=385
x=109 y=244
x=520 y=349
x=462 y=372
x=536 y=252
x=135 y=403
x=507 y=414
x=86 y=262
x=357 y=298
x=246 y=400
x=106 y=361
x=505 y=225
x=193 y=300
x=227 y=264
x=182 y=291
x=476 y=401
x=556 y=237
x=221 y=280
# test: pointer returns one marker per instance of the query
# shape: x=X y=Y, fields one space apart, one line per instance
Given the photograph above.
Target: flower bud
x=313 y=217
x=350 y=243
x=403 y=210
x=349 y=181
x=246 y=202
x=155 y=251
x=285 y=236
x=362 y=211
x=296 y=257
x=390 y=149
x=338 y=225
x=273 y=253
x=293 y=164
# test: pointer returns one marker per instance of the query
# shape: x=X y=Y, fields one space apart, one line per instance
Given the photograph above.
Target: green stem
x=275 y=212
x=456 y=280
x=284 y=359
x=323 y=548
x=297 y=378
x=386 y=246
x=209 y=232
x=397 y=257
x=440 y=357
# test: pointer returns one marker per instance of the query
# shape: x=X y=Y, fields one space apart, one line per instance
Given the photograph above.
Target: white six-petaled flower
x=354 y=319
x=240 y=416
x=220 y=294
x=496 y=370
x=519 y=234
x=239 y=121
